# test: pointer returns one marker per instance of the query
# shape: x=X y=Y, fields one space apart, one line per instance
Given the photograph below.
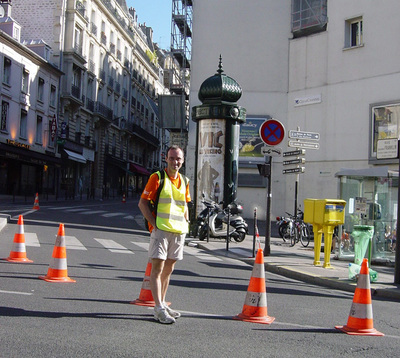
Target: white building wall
x=274 y=69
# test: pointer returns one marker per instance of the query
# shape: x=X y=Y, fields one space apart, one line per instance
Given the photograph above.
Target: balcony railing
x=103 y=110
x=90 y=104
x=92 y=66
x=110 y=81
x=134 y=128
x=103 y=38
x=102 y=75
x=76 y=91
x=112 y=48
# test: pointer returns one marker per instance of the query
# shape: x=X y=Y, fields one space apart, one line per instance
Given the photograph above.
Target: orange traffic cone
x=360 y=320
x=18 y=250
x=255 y=304
x=58 y=271
x=123 y=198
x=36 y=203
x=145 y=296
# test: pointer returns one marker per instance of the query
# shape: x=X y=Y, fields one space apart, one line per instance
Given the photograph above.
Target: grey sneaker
x=172 y=313
x=162 y=315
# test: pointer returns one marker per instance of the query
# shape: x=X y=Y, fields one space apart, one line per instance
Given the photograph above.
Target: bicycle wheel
x=305 y=236
x=293 y=235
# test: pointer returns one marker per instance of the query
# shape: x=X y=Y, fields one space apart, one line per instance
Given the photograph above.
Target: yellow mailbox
x=324 y=215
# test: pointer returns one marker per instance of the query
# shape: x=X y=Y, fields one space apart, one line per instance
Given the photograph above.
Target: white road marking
x=143 y=245
x=94 y=212
x=200 y=254
x=114 y=246
x=31 y=239
x=72 y=243
x=17 y=293
x=109 y=215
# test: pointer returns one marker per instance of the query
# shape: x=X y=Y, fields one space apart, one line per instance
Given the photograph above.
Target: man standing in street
x=168 y=228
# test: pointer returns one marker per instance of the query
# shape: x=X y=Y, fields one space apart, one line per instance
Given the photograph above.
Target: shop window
x=39 y=129
x=23 y=124
x=4 y=115
x=354 y=32
x=6 y=70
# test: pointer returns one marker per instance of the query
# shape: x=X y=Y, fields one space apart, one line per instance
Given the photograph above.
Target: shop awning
x=138 y=169
x=75 y=156
x=374 y=172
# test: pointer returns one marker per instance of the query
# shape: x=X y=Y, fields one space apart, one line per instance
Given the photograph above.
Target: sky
x=157 y=15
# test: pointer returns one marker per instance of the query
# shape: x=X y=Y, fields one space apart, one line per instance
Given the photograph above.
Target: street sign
x=271 y=151
x=299 y=144
x=294 y=152
x=297 y=170
x=294 y=161
x=304 y=135
x=272 y=132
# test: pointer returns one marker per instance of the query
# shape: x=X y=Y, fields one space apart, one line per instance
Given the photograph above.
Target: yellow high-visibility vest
x=172 y=206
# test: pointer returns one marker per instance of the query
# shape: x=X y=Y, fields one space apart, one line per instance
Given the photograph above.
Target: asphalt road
x=106 y=253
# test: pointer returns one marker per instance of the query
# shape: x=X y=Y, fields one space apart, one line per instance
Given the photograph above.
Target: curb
x=4 y=219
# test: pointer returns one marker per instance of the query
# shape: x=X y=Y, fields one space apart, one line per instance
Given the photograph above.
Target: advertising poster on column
x=250 y=143
x=210 y=161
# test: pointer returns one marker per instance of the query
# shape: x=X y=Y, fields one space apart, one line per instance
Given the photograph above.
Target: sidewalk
x=297 y=262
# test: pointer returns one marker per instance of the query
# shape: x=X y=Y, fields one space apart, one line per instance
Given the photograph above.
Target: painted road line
x=142 y=245
x=31 y=239
x=113 y=246
x=109 y=215
x=93 y=212
x=17 y=293
x=72 y=243
x=200 y=254
x=75 y=210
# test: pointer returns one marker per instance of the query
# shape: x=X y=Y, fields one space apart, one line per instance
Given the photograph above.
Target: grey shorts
x=166 y=245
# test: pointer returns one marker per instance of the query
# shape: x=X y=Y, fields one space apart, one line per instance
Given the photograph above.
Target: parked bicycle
x=298 y=230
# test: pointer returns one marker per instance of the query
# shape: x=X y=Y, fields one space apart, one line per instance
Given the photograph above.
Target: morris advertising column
x=217 y=144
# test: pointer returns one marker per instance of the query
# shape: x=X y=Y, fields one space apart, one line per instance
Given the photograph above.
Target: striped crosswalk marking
x=75 y=210
x=109 y=215
x=92 y=212
x=200 y=254
x=143 y=245
x=31 y=239
x=72 y=243
x=113 y=246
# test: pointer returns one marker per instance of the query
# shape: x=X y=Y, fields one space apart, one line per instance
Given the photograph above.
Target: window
x=23 y=124
x=25 y=81
x=53 y=95
x=4 y=115
x=6 y=70
x=308 y=17
x=39 y=129
x=40 y=89
x=354 y=32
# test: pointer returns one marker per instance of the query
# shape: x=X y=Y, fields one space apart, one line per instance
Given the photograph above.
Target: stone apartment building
x=108 y=122
x=29 y=90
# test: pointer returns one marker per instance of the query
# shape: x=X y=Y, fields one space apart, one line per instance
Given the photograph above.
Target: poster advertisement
x=210 y=161
x=250 y=142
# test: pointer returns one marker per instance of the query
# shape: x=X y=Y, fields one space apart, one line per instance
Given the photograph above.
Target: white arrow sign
x=304 y=135
x=308 y=145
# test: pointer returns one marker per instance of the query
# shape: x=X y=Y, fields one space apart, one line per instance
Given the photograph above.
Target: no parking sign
x=272 y=132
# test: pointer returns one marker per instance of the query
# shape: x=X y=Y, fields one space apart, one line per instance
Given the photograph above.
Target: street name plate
x=297 y=170
x=294 y=161
x=304 y=135
x=294 y=152
x=306 y=145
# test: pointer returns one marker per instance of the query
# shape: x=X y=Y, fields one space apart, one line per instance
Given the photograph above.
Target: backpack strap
x=161 y=177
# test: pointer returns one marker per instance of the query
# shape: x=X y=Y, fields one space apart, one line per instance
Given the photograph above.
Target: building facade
x=29 y=90
x=109 y=130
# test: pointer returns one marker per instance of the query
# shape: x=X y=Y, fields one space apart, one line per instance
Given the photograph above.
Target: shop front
x=24 y=171
x=371 y=196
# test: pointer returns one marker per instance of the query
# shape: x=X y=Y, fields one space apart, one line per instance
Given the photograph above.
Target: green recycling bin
x=362 y=235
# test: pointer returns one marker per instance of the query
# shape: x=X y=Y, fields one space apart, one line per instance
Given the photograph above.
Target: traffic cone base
x=255 y=305
x=360 y=321
x=58 y=271
x=145 y=296
x=18 y=250
x=36 y=203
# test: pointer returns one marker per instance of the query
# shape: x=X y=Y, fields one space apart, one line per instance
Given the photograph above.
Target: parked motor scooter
x=213 y=221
